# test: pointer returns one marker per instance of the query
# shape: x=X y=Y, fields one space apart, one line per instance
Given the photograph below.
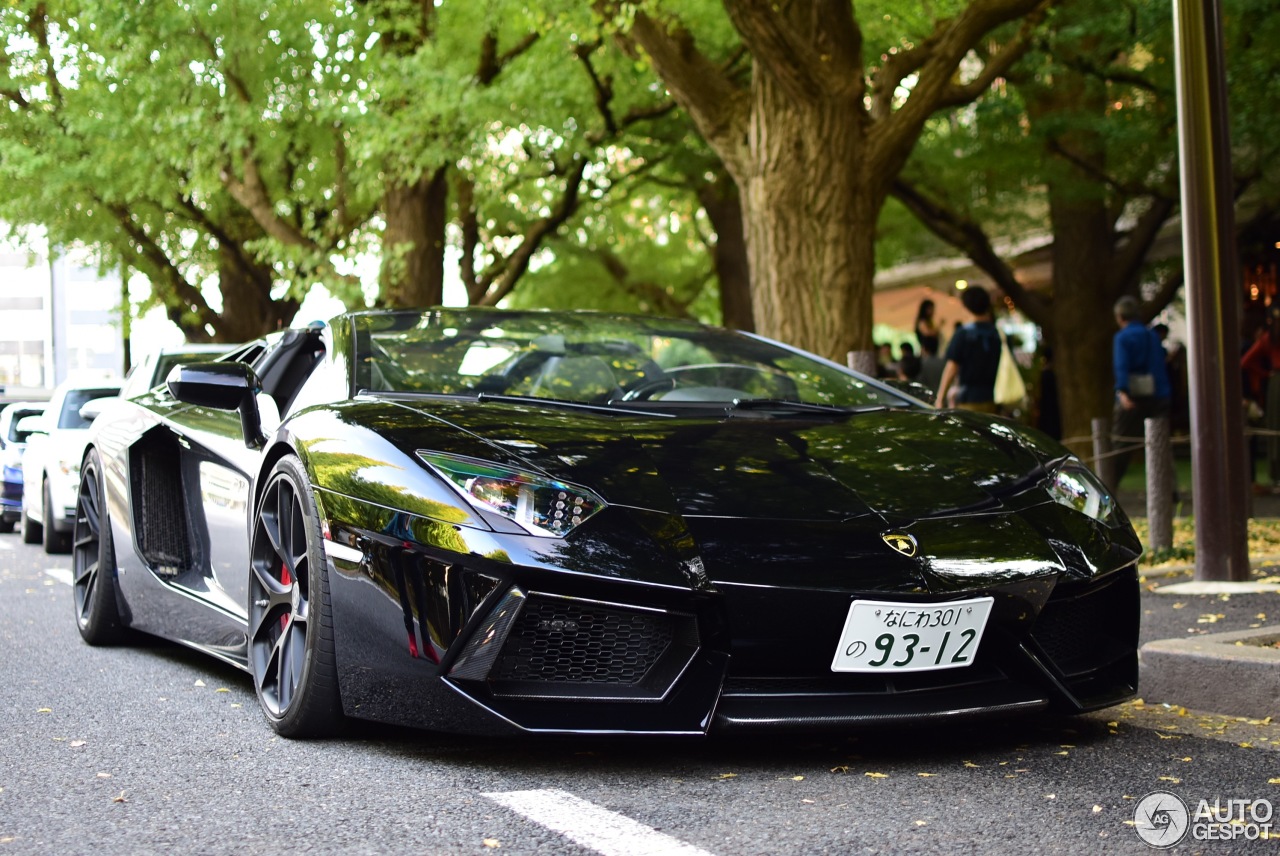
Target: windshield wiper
x=788 y=406
x=562 y=402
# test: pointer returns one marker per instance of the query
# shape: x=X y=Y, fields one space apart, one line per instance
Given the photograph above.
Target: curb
x=1215 y=672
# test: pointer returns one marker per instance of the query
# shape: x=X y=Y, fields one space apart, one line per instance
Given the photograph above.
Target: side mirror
x=92 y=408
x=32 y=425
x=222 y=386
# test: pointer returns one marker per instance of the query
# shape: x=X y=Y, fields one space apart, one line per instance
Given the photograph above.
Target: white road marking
x=62 y=575
x=593 y=827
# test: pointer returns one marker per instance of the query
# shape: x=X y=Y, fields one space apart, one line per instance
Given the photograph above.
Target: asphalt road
x=155 y=749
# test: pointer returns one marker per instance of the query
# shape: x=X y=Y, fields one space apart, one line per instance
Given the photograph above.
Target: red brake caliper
x=285 y=580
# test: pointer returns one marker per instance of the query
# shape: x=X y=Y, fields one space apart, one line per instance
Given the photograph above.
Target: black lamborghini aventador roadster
x=510 y=522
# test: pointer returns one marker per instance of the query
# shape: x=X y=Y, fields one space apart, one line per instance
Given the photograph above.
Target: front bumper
x=478 y=641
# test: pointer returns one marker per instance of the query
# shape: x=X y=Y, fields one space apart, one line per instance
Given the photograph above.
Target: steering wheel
x=648 y=386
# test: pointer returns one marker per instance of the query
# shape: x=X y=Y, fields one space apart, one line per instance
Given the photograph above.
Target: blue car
x=12 y=443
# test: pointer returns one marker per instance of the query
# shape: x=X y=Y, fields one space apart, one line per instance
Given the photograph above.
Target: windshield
x=76 y=398
x=593 y=359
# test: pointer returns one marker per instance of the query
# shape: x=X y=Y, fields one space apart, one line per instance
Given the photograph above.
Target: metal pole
x=1159 y=484
x=1213 y=298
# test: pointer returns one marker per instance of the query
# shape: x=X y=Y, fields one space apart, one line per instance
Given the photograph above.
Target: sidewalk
x=1215 y=652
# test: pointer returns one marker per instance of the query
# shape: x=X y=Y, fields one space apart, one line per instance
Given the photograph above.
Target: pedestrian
x=1260 y=367
x=1141 y=383
x=927 y=328
x=1049 y=413
x=908 y=363
x=973 y=356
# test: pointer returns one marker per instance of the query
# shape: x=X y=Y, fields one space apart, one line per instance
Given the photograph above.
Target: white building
x=58 y=317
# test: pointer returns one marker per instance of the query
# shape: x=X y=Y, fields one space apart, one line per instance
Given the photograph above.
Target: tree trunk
x=1084 y=254
x=248 y=310
x=413 y=242
x=724 y=209
x=810 y=221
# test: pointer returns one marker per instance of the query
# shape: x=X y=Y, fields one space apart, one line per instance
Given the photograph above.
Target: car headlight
x=539 y=505
x=1075 y=486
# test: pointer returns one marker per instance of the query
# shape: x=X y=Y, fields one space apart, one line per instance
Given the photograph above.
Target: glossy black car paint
x=745 y=534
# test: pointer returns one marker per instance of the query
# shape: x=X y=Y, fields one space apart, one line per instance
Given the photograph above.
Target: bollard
x=1102 y=463
x=1159 y=484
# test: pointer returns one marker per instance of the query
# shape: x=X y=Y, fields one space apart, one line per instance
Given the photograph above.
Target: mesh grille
x=158 y=492
x=579 y=643
x=1090 y=630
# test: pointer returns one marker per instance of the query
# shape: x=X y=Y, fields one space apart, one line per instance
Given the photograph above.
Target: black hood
x=898 y=464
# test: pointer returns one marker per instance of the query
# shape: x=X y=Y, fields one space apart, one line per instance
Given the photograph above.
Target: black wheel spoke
x=90 y=588
x=89 y=504
x=85 y=573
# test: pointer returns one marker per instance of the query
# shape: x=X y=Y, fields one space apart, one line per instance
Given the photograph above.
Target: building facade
x=59 y=317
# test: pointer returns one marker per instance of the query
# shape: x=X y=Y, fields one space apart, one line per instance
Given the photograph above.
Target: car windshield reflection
x=595 y=359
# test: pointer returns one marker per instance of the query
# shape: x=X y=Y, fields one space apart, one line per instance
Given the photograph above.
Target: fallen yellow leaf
x=104 y=775
x=1062 y=753
x=926 y=775
x=971 y=765
x=119 y=798
x=727 y=776
x=76 y=744
x=222 y=690
x=1173 y=779
x=843 y=768
x=876 y=775
x=810 y=802
x=922 y=823
x=45 y=710
x=492 y=843
x=1097 y=808
x=1246 y=745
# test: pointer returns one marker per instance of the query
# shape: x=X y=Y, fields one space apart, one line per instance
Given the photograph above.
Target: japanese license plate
x=887 y=636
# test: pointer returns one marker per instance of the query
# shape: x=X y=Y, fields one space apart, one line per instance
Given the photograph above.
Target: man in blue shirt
x=973 y=356
x=1142 y=382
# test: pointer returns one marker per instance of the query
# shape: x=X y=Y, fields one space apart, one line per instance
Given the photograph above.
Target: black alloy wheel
x=93 y=562
x=291 y=651
x=54 y=541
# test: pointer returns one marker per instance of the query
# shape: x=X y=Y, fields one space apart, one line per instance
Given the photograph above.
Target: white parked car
x=51 y=463
x=152 y=369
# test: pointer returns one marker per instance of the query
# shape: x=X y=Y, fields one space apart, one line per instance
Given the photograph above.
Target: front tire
x=54 y=541
x=291 y=650
x=93 y=562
